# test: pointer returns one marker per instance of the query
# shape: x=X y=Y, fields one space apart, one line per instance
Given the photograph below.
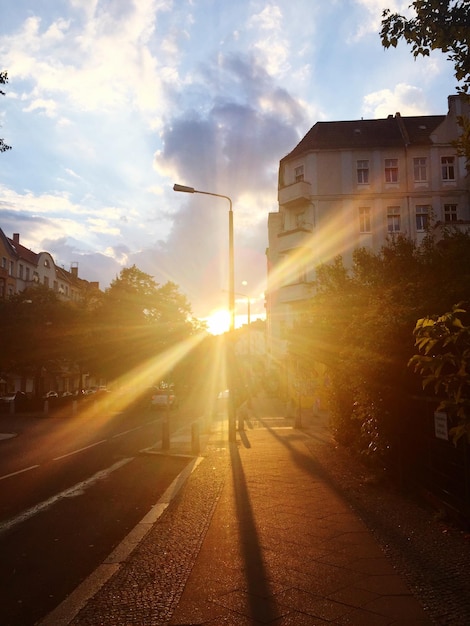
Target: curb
x=69 y=608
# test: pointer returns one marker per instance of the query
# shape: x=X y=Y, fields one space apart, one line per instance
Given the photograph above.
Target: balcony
x=295 y=194
x=296 y=238
x=295 y=292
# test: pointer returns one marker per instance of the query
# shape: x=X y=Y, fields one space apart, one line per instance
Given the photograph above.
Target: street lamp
x=231 y=305
x=231 y=265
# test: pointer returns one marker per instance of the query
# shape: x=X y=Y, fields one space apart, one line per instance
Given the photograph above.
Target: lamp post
x=231 y=264
x=231 y=301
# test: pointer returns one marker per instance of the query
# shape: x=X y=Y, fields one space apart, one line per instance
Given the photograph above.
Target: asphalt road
x=70 y=491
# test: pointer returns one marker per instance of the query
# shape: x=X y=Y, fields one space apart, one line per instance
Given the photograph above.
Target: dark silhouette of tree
x=438 y=25
x=3 y=80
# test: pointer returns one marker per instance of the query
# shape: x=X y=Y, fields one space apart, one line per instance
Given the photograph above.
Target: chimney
x=458 y=104
x=16 y=238
x=74 y=270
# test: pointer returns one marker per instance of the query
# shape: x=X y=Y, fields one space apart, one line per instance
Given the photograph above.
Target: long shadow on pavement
x=255 y=571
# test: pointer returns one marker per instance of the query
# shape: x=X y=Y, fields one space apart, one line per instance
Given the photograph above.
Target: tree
x=360 y=325
x=137 y=320
x=438 y=25
x=3 y=80
x=35 y=333
x=443 y=362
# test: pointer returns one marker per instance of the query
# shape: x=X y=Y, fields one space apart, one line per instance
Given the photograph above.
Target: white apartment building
x=20 y=268
x=351 y=184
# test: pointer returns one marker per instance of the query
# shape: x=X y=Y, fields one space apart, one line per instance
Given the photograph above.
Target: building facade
x=353 y=184
x=21 y=268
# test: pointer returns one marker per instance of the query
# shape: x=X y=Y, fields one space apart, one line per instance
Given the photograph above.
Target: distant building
x=20 y=268
x=352 y=184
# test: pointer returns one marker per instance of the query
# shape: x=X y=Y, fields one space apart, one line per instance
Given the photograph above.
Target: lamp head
x=183 y=188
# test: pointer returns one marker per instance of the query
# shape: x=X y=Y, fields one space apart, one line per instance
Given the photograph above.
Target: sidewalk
x=255 y=535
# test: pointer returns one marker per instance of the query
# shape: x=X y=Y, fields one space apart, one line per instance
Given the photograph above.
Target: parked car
x=50 y=394
x=15 y=396
x=222 y=401
x=161 y=398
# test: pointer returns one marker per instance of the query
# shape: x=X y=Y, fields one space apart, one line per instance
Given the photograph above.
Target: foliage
x=360 y=325
x=3 y=80
x=443 y=362
x=437 y=25
x=462 y=144
x=137 y=319
x=35 y=332
x=106 y=334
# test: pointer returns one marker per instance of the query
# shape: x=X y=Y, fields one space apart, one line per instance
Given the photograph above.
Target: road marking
x=126 y=432
x=69 y=608
x=76 y=490
x=26 y=469
x=92 y=445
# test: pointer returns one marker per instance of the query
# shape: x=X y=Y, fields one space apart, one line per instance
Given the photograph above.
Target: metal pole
x=231 y=307
x=231 y=264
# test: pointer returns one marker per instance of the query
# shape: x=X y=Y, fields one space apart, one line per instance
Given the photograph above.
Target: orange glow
x=218 y=322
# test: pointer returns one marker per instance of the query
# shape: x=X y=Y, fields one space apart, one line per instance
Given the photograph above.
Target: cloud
x=225 y=148
x=372 y=11
x=99 y=60
x=405 y=99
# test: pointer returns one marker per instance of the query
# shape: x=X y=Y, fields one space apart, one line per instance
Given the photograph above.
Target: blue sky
x=110 y=102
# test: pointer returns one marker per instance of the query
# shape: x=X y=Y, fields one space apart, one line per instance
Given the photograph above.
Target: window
x=364 y=219
x=447 y=168
x=46 y=281
x=422 y=217
x=299 y=173
x=363 y=172
x=300 y=220
x=12 y=268
x=46 y=263
x=391 y=170
x=300 y=276
x=420 y=169
x=20 y=271
x=393 y=219
x=450 y=212
x=27 y=273
x=4 y=263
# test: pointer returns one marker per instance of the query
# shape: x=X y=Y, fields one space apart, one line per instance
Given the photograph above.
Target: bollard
x=298 y=416
x=46 y=407
x=241 y=419
x=195 y=444
x=165 y=434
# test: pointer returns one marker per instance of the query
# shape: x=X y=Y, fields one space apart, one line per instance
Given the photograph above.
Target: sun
x=218 y=322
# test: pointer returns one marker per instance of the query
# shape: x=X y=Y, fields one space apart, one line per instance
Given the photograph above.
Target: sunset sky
x=111 y=102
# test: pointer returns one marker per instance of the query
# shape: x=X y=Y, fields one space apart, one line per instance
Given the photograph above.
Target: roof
x=367 y=134
x=24 y=253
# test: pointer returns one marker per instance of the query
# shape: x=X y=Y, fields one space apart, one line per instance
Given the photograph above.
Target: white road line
x=26 y=469
x=92 y=445
x=126 y=432
x=76 y=490
x=63 y=614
